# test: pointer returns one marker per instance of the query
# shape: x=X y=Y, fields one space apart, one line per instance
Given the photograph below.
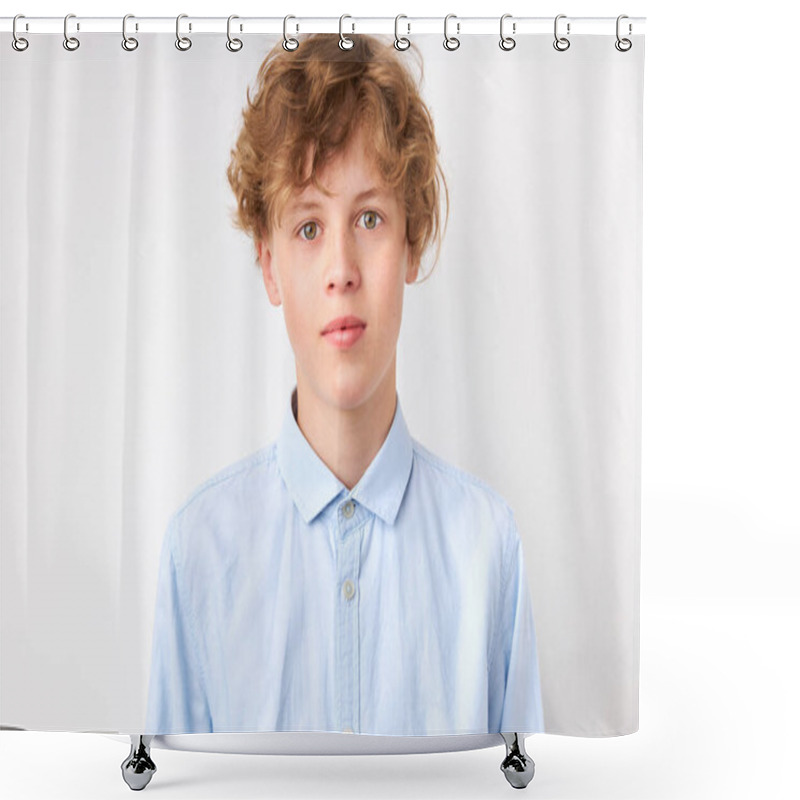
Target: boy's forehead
x=311 y=197
x=352 y=172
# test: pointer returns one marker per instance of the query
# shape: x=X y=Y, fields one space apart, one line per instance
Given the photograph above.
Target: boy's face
x=341 y=256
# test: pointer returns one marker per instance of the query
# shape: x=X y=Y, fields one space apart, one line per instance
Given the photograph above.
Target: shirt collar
x=313 y=486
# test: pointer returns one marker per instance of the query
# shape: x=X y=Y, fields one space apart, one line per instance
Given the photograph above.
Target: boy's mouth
x=344 y=332
x=343 y=323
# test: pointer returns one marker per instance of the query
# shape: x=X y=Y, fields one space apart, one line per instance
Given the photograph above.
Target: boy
x=342 y=578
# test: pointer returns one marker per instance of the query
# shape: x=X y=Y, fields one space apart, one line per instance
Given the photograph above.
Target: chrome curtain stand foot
x=517 y=766
x=138 y=767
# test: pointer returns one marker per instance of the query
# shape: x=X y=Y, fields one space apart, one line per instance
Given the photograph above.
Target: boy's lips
x=344 y=322
x=344 y=332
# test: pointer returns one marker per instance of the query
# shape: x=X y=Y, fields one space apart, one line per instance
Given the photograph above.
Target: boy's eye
x=370 y=219
x=309 y=228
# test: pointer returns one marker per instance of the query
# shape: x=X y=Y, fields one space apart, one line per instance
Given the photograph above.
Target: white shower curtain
x=141 y=355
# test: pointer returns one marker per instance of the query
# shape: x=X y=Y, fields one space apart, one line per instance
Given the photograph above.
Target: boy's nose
x=342 y=261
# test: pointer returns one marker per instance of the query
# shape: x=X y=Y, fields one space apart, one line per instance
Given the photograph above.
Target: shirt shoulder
x=471 y=510
x=462 y=489
x=227 y=493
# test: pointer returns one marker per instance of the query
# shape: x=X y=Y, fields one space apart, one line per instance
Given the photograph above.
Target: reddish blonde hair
x=311 y=101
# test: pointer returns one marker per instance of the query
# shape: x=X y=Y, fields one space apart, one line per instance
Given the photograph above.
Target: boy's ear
x=412 y=269
x=267 y=273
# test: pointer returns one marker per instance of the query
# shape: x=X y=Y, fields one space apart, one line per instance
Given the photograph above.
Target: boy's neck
x=347 y=440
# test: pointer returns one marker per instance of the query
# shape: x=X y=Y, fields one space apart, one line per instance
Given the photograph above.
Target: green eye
x=370 y=219
x=309 y=228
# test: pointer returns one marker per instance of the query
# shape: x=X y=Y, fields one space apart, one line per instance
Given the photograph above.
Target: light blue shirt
x=288 y=603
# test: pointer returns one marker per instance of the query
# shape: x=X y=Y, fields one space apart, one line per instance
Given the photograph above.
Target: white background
x=720 y=614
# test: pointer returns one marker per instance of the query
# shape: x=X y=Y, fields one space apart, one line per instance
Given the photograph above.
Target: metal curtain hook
x=289 y=43
x=128 y=42
x=182 y=42
x=507 y=42
x=623 y=45
x=401 y=43
x=234 y=45
x=70 y=42
x=344 y=42
x=451 y=42
x=560 y=40
x=18 y=43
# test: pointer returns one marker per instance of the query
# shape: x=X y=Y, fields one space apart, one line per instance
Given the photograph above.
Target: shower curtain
x=359 y=454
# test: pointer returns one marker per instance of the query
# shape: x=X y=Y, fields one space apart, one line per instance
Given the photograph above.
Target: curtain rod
x=458 y=26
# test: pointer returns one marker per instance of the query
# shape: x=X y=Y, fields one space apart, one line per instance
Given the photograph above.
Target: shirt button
x=349 y=508
x=349 y=589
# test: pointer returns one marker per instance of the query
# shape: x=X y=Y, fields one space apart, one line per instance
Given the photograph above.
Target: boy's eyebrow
x=307 y=205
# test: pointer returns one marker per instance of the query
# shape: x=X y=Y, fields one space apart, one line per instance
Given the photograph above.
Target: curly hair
x=310 y=102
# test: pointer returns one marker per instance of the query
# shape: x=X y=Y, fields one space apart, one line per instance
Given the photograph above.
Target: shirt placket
x=350 y=518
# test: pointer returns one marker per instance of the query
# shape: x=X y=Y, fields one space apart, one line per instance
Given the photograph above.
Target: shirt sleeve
x=514 y=670
x=176 y=698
